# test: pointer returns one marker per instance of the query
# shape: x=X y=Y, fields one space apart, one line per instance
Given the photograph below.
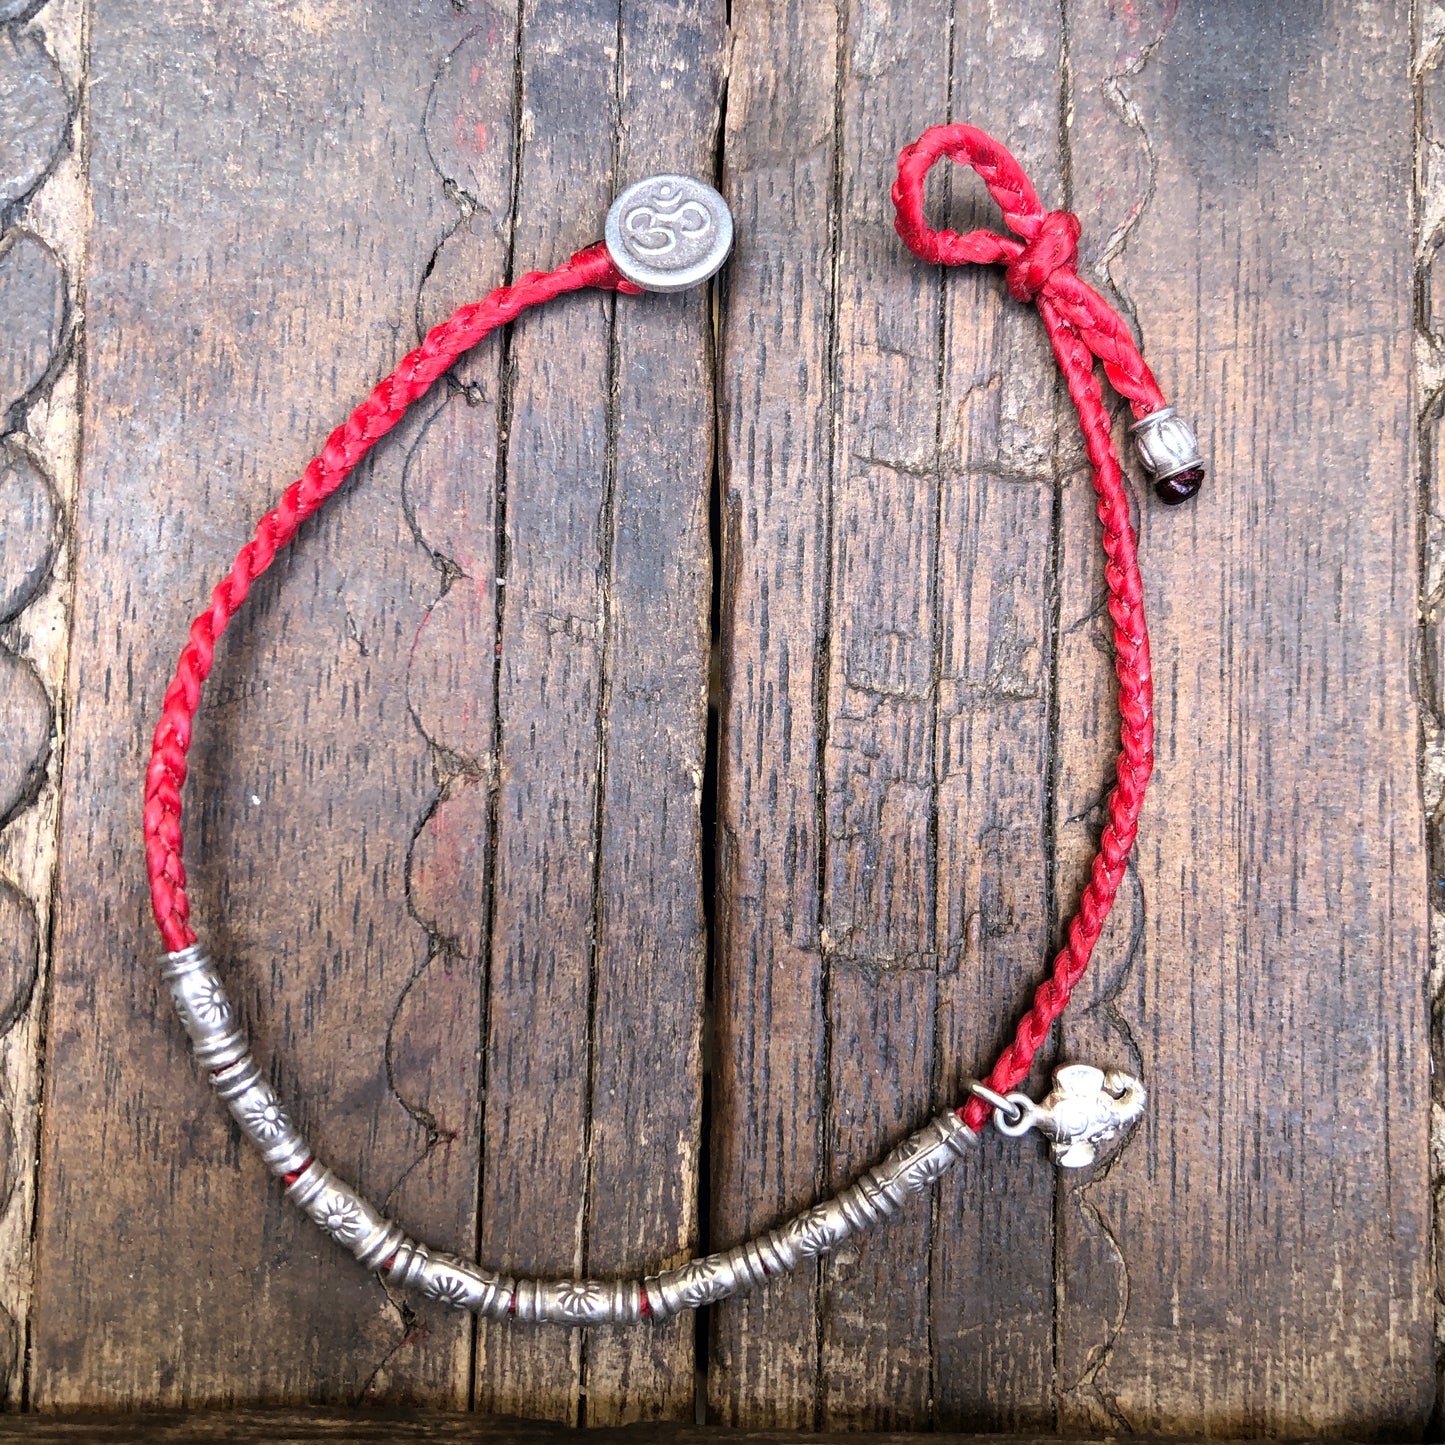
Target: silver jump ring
x=1023 y=1115
x=1000 y=1104
x=1013 y=1114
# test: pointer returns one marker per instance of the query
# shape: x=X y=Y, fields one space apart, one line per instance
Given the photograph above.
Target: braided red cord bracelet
x=666 y=233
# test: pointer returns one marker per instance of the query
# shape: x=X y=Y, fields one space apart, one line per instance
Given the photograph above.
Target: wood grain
x=651 y=953
x=598 y=953
x=877 y=906
x=229 y=332
x=42 y=208
x=32 y=528
x=777 y=396
x=357 y=1427
x=1256 y=1258
x=1000 y=432
x=535 y=1147
x=989 y=472
x=449 y=493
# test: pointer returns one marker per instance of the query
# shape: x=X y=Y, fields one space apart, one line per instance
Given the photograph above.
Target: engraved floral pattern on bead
x=694 y=1283
x=340 y=1218
x=812 y=1232
x=210 y=1007
x=264 y=1118
x=447 y=1289
x=925 y=1171
x=580 y=1298
x=918 y=1162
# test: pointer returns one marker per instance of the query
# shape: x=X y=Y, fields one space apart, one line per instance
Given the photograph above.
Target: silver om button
x=669 y=233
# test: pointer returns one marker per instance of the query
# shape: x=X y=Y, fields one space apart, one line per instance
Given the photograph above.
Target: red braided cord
x=344 y=448
x=1081 y=326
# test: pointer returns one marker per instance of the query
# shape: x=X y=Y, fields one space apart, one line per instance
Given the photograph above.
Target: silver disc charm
x=669 y=233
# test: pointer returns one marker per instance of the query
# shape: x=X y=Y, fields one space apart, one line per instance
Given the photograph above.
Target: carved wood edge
x=43 y=215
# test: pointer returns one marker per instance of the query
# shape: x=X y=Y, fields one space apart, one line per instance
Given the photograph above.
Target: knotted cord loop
x=1081 y=326
x=1063 y=299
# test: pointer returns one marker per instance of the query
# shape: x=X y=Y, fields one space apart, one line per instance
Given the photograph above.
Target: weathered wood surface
x=449 y=819
x=207 y=263
x=1253 y=1261
x=310 y=1426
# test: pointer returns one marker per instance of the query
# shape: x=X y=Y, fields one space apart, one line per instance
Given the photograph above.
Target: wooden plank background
x=578 y=972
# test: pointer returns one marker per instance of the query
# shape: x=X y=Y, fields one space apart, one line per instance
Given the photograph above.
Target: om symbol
x=665 y=224
x=668 y=232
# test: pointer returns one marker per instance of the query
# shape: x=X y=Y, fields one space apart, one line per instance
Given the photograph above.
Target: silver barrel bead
x=257 y=1109
x=1170 y=453
x=578 y=1301
x=1166 y=443
x=205 y=1011
x=452 y=1281
x=343 y=1214
x=923 y=1158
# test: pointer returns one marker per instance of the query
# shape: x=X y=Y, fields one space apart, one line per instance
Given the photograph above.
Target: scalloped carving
x=19 y=954
x=24 y=733
x=18 y=9
x=34 y=111
x=30 y=532
x=32 y=313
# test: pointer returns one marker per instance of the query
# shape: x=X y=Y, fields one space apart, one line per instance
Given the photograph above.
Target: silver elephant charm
x=1087 y=1107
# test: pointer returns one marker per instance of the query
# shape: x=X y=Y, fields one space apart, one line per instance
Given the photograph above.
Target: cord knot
x=1055 y=247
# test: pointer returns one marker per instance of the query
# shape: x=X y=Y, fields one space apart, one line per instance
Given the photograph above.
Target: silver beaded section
x=218 y=1043
x=911 y=1168
x=380 y=1244
x=1166 y=444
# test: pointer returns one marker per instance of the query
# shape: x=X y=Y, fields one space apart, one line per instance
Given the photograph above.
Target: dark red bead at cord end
x=1180 y=487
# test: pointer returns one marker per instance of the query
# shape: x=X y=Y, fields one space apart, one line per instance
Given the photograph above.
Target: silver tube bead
x=453 y=1281
x=257 y=1109
x=205 y=1011
x=578 y=1301
x=690 y=1286
x=343 y=1214
x=923 y=1158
